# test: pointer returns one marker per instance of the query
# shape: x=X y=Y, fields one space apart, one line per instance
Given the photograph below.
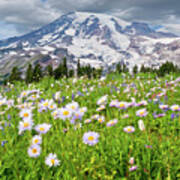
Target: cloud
x=27 y=15
x=7 y=30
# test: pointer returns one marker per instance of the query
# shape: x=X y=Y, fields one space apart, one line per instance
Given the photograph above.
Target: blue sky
x=18 y=17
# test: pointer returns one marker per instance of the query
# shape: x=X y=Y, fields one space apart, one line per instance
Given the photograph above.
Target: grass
x=155 y=150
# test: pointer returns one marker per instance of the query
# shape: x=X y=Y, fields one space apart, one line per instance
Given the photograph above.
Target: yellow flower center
x=82 y=110
x=46 y=104
x=176 y=108
x=36 y=141
x=141 y=113
x=100 y=120
x=121 y=105
x=65 y=113
x=26 y=124
x=51 y=106
x=41 y=129
x=112 y=122
x=129 y=129
x=34 y=150
x=90 y=138
x=55 y=113
x=52 y=161
x=26 y=114
x=72 y=107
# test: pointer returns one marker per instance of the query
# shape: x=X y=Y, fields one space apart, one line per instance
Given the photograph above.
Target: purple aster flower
x=42 y=99
x=133 y=168
x=173 y=116
x=112 y=122
x=148 y=146
x=161 y=115
x=63 y=98
x=141 y=113
x=3 y=143
x=9 y=116
x=73 y=96
x=90 y=138
x=65 y=130
x=129 y=129
x=72 y=121
x=175 y=107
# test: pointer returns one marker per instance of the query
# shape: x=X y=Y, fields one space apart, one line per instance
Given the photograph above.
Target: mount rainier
x=95 y=39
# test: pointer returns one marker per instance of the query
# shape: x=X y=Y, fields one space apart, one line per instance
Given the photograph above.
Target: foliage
x=155 y=150
x=29 y=74
x=37 y=73
x=15 y=75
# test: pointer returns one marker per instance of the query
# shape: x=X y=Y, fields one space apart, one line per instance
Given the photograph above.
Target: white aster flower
x=43 y=128
x=34 y=151
x=37 y=139
x=51 y=160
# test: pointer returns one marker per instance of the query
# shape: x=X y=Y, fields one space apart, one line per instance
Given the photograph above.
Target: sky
x=18 y=17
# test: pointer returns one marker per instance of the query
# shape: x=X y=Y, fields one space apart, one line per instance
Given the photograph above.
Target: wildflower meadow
x=116 y=127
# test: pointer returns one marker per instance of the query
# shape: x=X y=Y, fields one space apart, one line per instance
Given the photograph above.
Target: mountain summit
x=95 y=39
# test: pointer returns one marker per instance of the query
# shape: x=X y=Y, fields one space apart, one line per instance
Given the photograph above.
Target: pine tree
x=79 y=71
x=58 y=72
x=15 y=75
x=65 y=69
x=94 y=74
x=37 y=73
x=143 y=69
x=135 y=69
x=119 y=68
x=125 y=69
x=71 y=73
x=29 y=74
x=49 y=70
x=89 y=71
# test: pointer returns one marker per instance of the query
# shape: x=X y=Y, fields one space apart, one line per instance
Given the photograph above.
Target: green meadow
x=125 y=148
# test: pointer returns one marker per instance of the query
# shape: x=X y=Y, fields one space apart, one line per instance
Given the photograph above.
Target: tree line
x=36 y=73
x=164 y=69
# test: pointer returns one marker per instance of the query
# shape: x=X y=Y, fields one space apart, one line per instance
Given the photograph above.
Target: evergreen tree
x=71 y=73
x=94 y=74
x=89 y=71
x=143 y=69
x=167 y=68
x=135 y=69
x=125 y=69
x=65 y=69
x=29 y=74
x=49 y=70
x=37 y=73
x=99 y=72
x=119 y=68
x=58 y=72
x=79 y=71
x=15 y=75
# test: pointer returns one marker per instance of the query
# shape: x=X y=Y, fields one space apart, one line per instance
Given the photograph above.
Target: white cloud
x=27 y=15
x=123 y=13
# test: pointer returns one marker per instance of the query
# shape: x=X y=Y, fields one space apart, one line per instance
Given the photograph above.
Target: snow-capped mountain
x=95 y=39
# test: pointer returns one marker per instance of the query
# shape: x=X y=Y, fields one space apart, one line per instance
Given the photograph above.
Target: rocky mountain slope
x=95 y=39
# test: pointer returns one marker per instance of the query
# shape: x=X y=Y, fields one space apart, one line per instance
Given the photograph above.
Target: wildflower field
x=118 y=127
